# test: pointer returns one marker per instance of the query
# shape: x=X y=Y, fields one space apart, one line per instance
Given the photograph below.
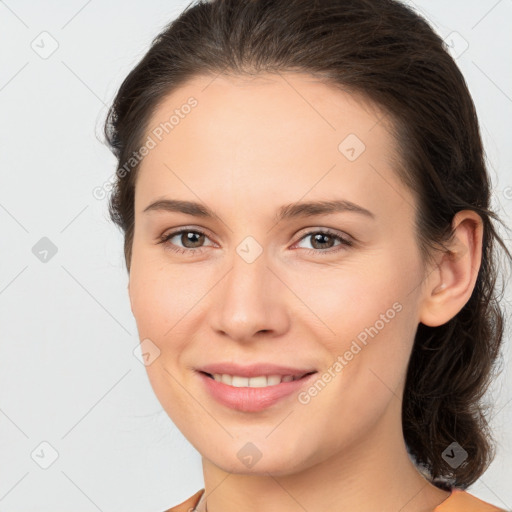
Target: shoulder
x=462 y=501
x=189 y=504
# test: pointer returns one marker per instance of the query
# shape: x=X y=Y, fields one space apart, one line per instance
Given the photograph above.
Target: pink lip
x=254 y=370
x=248 y=399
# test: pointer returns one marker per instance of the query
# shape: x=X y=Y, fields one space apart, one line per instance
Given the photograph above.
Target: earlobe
x=449 y=288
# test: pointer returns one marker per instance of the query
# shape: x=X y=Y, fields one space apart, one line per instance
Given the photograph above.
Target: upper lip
x=254 y=370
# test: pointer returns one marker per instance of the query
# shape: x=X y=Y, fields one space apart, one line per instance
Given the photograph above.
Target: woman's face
x=255 y=289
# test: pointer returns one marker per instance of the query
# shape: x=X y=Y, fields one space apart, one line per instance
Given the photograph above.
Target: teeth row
x=253 y=382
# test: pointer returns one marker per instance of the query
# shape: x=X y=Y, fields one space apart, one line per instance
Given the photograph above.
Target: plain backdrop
x=80 y=427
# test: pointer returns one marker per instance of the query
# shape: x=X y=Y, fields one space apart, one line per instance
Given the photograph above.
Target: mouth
x=253 y=394
x=255 y=382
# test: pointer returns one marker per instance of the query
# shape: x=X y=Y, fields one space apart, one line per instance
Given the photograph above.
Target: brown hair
x=384 y=51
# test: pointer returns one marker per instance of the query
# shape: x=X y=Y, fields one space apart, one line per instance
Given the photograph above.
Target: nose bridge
x=246 y=287
x=249 y=300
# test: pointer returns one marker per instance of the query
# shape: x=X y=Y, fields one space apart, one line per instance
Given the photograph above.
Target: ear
x=449 y=286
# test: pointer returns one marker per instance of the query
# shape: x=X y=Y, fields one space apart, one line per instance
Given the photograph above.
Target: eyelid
x=345 y=241
x=178 y=230
x=330 y=231
x=305 y=232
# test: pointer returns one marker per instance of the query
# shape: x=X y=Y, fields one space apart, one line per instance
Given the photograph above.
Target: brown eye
x=192 y=240
x=323 y=240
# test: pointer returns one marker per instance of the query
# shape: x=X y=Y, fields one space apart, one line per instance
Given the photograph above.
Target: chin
x=250 y=461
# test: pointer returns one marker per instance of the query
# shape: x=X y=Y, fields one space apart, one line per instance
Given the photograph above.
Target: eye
x=190 y=238
x=323 y=239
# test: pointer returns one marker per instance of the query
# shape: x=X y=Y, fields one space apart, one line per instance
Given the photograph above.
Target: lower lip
x=248 y=399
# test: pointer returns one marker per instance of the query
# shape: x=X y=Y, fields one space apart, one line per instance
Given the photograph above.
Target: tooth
x=258 y=382
x=273 y=380
x=226 y=379
x=240 y=382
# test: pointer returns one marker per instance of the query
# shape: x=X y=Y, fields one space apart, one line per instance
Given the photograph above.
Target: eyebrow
x=294 y=210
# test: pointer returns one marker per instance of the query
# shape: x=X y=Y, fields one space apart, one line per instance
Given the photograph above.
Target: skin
x=250 y=146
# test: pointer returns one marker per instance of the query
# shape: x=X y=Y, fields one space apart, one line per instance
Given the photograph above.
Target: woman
x=311 y=254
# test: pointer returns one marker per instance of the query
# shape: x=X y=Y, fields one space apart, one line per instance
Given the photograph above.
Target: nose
x=250 y=300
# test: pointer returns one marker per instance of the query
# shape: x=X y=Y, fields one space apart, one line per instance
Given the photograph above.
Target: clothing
x=458 y=501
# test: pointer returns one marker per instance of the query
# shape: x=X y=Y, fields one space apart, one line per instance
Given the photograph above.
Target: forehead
x=255 y=104
x=273 y=131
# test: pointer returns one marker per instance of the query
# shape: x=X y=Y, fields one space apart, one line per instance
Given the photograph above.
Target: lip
x=248 y=399
x=254 y=370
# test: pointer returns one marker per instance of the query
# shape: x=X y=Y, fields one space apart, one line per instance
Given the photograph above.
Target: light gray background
x=68 y=373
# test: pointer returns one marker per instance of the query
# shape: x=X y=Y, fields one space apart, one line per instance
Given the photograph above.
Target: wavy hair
x=384 y=51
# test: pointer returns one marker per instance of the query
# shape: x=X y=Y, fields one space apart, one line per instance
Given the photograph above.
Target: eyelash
x=344 y=243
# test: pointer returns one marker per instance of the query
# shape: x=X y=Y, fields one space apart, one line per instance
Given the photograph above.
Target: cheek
x=352 y=297
x=365 y=373
x=369 y=318
x=158 y=298
x=157 y=307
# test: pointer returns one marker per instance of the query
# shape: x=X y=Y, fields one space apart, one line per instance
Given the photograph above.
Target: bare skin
x=247 y=148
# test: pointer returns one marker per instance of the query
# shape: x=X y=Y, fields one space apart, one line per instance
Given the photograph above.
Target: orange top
x=458 y=501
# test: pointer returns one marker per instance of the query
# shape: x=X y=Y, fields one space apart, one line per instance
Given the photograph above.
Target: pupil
x=319 y=236
x=190 y=235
